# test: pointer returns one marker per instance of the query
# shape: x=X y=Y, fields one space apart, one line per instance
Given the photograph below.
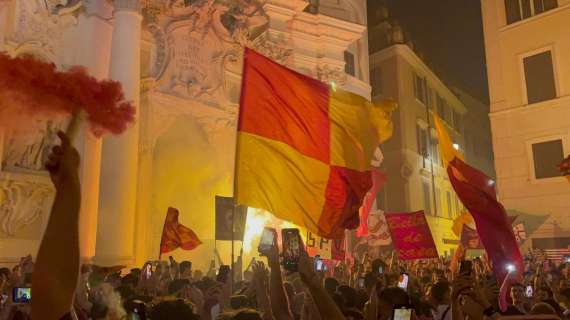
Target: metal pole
x=236 y=160
x=428 y=117
x=233 y=230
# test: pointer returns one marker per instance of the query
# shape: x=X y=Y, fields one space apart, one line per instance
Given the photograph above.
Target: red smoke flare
x=29 y=87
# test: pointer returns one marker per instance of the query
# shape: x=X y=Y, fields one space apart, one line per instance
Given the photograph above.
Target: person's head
x=378 y=266
x=517 y=293
x=542 y=308
x=349 y=296
x=198 y=275
x=246 y=314
x=177 y=286
x=422 y=309
x=173 y=310
x=370 y=280
x=4 y=273
x=238 y=302
x=388 y=299
x=111 y=299
x=440 y=293
x=185 y=269
x=114 y=279
x=130 y=280
x=330 y=285
x=126 y=292
x=544 y=293
x=564 y=298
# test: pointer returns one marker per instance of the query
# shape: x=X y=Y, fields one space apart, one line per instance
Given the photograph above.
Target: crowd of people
x=378 y=288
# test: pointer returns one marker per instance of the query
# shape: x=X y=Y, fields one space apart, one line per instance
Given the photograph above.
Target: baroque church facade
x=180 y=62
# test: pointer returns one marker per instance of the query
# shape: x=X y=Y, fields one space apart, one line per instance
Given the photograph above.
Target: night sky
x=450 y=35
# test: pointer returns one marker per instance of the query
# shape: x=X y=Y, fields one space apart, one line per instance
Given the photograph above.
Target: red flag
x=175 y=235
x=411 y=235
x=338 y=249
x=477 y=193
x=470 y=238
x=378 y=181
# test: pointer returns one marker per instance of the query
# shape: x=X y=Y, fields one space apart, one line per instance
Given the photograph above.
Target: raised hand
x=260 y=273
x=63 y=162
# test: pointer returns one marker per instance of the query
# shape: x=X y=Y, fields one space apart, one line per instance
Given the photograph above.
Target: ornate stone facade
x=198 y=46
x=37 y=28
x=24 y=201
x=190 y=84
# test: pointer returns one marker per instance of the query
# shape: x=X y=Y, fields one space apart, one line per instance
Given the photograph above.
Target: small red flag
x=175 y=235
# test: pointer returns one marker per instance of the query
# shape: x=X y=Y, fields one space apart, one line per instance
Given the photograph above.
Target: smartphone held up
x=403 y=282
x=21 y=295
x=291 y=249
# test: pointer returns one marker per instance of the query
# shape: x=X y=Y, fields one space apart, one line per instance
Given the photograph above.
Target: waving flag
x=378 y=181
x=304 y=149
x=175 y=235
x=470 y=238
x=477 y=193
x=465 y=219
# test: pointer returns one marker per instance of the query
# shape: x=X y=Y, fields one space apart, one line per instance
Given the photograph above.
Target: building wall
x=478 y=146
x=405 y=166
x=515 y=124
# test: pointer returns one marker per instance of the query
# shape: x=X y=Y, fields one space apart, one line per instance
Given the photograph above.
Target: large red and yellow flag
x=304 y=149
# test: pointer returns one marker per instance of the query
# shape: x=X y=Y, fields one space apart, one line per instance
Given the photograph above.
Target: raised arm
x=260 y=283
x=277 y=294
x=325 y=304
x=57 y=267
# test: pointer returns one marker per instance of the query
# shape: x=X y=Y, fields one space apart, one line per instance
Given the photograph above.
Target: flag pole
x=233 y=240
x=162 y=238
x=236 y=158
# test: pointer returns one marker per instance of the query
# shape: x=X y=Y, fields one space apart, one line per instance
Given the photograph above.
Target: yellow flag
x=464 y=218
x=448 y=152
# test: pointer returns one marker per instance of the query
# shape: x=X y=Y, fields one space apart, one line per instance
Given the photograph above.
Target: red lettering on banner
x=411 y=235
x=414 y=237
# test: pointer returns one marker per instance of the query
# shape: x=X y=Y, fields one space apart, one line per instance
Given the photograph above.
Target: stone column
x=119 y=165
x=143 y=233
x=94 y=43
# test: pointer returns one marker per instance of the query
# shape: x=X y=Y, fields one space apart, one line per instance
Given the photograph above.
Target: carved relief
x=27 y=148
x=329 y=74
x=23 y=203
x=43 y=23
x=277 y=51
x=198 y=42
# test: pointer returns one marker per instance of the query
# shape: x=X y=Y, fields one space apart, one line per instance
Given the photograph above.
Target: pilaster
x=93 y=50
x=119 y=165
